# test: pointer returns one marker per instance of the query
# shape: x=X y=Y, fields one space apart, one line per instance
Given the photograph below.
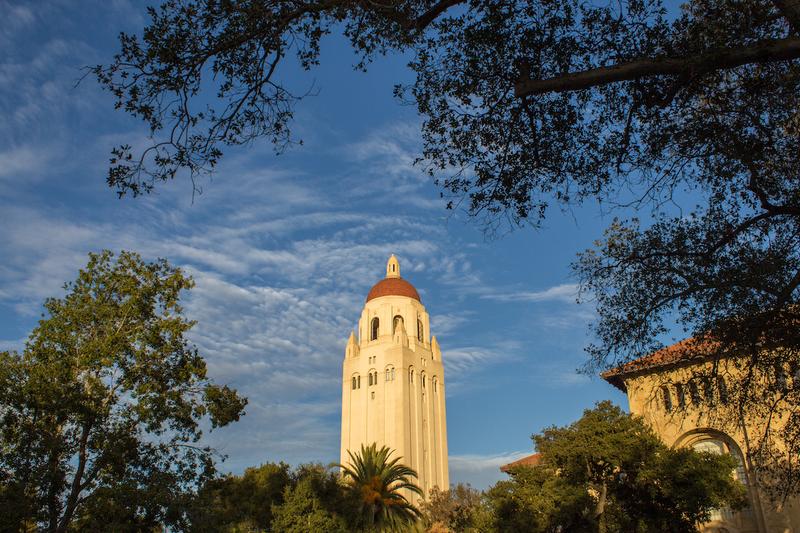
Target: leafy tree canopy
x=609 y=472
x=233 y=503
x=100 y=414
x=315 y=503
x=459 y=509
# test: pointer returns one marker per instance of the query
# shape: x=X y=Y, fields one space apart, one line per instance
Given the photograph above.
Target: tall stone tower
x=393 y=382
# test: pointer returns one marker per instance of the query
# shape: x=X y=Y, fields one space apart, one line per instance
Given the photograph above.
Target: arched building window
x=667 y=398
x=396 y=322
x=374 y=330
x=722 y=388
x=420 y=332
x=422 y=379
x=694 y=392
x=681 y=394
x=712 y=443
x=411 y=375
x=370 y=379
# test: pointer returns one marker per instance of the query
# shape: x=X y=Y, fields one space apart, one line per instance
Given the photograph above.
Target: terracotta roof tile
x=679 y=352
x=393 y=287
x=528 y=460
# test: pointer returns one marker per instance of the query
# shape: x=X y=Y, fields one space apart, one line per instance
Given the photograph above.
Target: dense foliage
x=367 y=497
x=461 y=509
x=272 y=497
x=100 y=414
x=609 y=472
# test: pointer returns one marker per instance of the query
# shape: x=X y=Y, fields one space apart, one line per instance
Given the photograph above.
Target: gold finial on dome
x=393 y=267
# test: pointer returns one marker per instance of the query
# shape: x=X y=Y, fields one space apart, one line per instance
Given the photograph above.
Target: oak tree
x=609 y=472
x=100 y=414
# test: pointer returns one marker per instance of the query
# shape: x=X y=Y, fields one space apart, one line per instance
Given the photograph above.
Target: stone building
x=683 y=410
x=393 y=382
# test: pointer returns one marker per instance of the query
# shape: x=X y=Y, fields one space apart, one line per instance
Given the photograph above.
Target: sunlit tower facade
x=393 y=382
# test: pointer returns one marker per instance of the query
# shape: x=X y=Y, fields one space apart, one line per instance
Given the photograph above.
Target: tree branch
x=434 y=12
x=75 y=488
x=765 y=52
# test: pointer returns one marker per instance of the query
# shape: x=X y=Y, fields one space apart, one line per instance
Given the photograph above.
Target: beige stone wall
x=703 y=420
x=407 y=414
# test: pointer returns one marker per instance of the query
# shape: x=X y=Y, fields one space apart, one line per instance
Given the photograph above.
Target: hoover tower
x=393 y=382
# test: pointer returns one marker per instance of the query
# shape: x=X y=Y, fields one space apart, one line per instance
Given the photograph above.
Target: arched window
x=411 y=375
x=667 y=397
x=681 y=394
x=354 y=383
x=398 y=321
x=708 y=390
x=435 y=384
x=370 y=379
x=420 y=332
x=723 y=390
x=717 y=446
x=781 y=379
x=694 y=392
x=375 y=325
x=387 y=375
x=422 y=379
x=392 y=373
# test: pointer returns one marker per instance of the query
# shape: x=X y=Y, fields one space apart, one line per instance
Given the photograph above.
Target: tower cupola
x=393 y=267
x=393 y=284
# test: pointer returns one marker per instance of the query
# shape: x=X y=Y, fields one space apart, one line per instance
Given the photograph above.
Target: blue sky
x=284 y=249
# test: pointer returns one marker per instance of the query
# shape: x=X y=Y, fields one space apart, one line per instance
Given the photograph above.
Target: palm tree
x=377 y=482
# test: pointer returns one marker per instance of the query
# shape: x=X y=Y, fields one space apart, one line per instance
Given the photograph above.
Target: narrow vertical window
x=681 y=394
x=723 y=390
x=781 y=379
x=420 y=333
x=694 y=392
x=387 y=375
x=411 y=376
x=397 y=322
x=354 y=383
x=375 y=325
x=392 y=373
x=667 y=397
x=358 y=382
x=370 y=379
x=708 y=390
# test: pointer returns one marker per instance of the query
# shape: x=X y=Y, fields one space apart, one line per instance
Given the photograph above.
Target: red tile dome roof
x=393 y=287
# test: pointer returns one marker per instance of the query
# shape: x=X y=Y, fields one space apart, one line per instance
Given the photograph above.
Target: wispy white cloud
x=566 y=292
x=481 y=471
x=458 y=360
